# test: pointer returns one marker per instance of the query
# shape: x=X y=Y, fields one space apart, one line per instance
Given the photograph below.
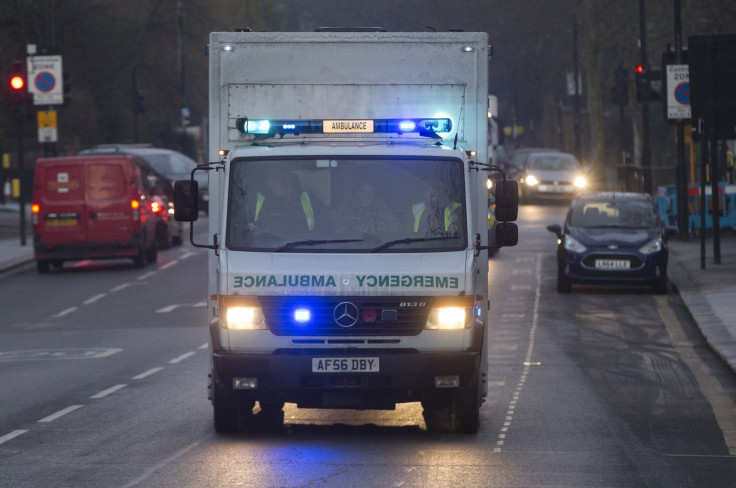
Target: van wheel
x=139 y=261
x=42 y=265
x=151 y=254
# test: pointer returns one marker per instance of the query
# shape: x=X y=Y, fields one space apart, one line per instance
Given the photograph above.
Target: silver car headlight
x=573 y=245
x=652 y=246
x=580 y=182
x=531 y=180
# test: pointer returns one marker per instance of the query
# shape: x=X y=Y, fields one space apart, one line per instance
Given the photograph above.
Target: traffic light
x=17 y=89
x=640 y=83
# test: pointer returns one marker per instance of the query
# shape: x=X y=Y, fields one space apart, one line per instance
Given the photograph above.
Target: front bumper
x=404 y=376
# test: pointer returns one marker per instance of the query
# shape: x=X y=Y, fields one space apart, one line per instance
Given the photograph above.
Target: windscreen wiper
x=409 y=240
x=312 y=242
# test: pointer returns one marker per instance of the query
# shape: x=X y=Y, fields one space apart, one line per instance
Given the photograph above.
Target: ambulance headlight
x=447 y=318
x=244 y=318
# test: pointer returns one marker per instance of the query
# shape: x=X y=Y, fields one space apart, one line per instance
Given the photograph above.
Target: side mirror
x=507 y=200
x=186 y=200
x=555 y=229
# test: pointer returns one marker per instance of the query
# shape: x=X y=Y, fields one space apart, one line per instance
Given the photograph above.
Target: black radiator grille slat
x=410 y=315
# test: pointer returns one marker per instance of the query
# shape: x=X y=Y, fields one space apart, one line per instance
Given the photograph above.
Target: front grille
x=372 y=316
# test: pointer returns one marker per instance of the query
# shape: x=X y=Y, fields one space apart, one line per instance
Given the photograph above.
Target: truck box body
x=340 y=298
x=90 y=207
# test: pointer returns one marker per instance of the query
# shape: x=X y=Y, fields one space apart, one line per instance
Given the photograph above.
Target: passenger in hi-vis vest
x=283 y=203
x=436 y=215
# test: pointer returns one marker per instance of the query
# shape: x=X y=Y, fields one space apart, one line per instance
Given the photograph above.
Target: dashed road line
x=65 y=312
x=182 y=357
x=109 y=391
x=145 y=276
x=169 y=264
x=95 y=298
x=148 y=373
x=60 y=413
x=11 y=435
x=120 y=287
x=528 y=363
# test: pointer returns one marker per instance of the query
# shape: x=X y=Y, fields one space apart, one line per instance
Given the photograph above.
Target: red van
x=92 y=207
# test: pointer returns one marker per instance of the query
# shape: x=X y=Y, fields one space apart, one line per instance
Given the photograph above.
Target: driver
x=283 y=197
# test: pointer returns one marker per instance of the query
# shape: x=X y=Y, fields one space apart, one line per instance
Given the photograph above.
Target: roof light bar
x=424 y=127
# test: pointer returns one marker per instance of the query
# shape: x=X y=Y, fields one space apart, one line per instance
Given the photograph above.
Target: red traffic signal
x=17 y=82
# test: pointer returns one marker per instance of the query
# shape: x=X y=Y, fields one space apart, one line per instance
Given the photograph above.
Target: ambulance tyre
x=467 y=410
x=225 y=408
x=42 y=266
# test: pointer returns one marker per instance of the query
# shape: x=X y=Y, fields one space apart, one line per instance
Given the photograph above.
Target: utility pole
x=683 y=232
x=646 y=154
x=577 y=87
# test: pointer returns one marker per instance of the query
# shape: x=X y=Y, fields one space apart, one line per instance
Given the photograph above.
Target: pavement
x=709 y=293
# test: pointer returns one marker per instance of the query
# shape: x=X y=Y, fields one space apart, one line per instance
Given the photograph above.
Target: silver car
x=551 y=176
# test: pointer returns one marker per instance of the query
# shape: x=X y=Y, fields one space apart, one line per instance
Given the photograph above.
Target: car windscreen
x=636 y=214
x=553 y=162
x=358 y=205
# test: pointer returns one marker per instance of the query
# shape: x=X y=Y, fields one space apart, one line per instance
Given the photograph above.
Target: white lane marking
x=65 y=312
x=148 y=373
x=95 y=298
x=204 y=346
x=109 y=391
x=186 y=255
x=167 y=309
x=182 y=357
x=12 y=435
x=169 y=264
x=528 y=363
x=171 y=308
x=145 y=276
x=60 y=413
x=120 y=287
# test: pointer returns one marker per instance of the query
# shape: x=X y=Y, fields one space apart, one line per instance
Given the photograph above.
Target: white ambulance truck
x=348 y=224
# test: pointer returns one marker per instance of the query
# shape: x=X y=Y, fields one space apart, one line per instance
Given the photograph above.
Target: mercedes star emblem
x=345 y=314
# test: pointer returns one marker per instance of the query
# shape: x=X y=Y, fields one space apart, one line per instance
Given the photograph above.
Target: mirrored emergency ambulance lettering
x=390 y=205
x=363 y=281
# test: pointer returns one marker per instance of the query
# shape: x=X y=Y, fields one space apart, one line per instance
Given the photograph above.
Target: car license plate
x=344 y=365
x=612 y=264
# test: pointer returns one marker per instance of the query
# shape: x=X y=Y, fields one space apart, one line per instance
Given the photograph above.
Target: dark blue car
x=612 y=238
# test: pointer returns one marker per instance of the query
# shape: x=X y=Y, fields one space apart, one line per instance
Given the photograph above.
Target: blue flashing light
x=302 y=315
x=424 y=127
x=407 y=125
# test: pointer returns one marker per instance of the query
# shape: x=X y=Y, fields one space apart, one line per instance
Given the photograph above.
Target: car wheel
x=660 y=285
x=564 y=285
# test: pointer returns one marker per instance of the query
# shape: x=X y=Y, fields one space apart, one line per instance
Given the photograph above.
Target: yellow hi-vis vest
x=306 y=206
x=418 y=209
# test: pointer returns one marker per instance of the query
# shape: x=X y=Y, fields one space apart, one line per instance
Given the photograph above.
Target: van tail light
x=35 y=209
x=135 y=205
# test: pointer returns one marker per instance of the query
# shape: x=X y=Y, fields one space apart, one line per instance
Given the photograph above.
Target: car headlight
x=580 y=182
x=573 y=245
x=447 y=318
x=652 y=246
x=244 y=318
x=531 y=180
